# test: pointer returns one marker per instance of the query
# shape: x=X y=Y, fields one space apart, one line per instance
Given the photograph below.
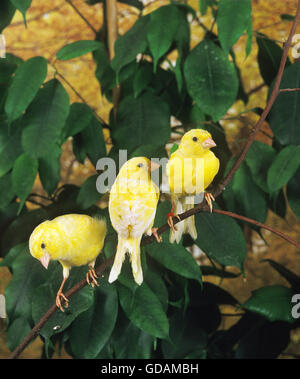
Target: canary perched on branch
x=190 y=170
x=132 y=207
x=73 y=240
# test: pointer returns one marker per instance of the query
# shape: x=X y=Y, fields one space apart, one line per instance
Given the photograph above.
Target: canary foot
x=170 y=220
x=209 y=198
x=157 y=237
x=91 y=277
x=58 y=301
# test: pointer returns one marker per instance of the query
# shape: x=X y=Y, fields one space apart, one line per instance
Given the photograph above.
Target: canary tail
x=132 y=246
x=187 y=225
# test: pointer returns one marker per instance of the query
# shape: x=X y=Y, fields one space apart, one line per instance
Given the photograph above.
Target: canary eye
x=43 y=245
x=195 y=139
x=140 y=165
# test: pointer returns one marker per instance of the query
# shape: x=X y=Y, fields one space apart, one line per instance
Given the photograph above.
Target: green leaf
x=283 y=167
x=22 y=6
x=104 y=72
x=221 y=239
x=231 y=28
x=290 y=276
x=23 y=176
x=77 y=49
x=284 y=117
x=28 y=273
x=88 y=194
x=269 y=57
x=16 y=332
x=292 y=191
x=142 y=78
x=264 y=341
x=203 y=5
x=175 y=258
x=45 y=119
x=49 y=169
x=7 y=11
x=186 y=335
x=43 y=297
x=144 y=310
x=243 y=196
x=211 y=79
x=79 y=118
x=159 y=37
x=287 y=17
x=10 y=145
x=272 y=302
x=133 y=42
x=28 y=78
x=97 y=322
x=259 y=159
x=90 y=141
x=6 y=190
x=146 y=118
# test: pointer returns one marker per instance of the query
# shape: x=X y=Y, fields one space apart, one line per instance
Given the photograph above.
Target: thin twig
x=82 y=16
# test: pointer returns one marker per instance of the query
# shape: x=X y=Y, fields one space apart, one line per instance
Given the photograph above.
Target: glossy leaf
x=49 y=169
x=7 y=11
x=284 y=116
x=23 y=176
x=28 y=78
x=6 y=190
x=259 y=158
x=293 y=190
x=221 y=239
x=77 y=49
x=146 y=118
x=98 y=322
x=283 y=167
x=45 y=119
x=88 y=194
x=175 y=258
x=231 y=28
x=211 y=79
x=22 y=6
x=269 y=56
x=144 y=310
x=10 y=145
x=78 y=119
x=130 y=44
x=272 y=302
x=159 y=37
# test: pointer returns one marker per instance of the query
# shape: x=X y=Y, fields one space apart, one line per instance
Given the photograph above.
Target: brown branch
x=201 y=207
x=259 y=224
x=82 y=16
x=38 y=327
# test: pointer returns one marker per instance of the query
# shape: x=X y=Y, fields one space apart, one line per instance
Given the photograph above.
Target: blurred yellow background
x=53 y=24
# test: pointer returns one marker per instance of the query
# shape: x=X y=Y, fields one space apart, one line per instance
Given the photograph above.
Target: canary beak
x=208 y=143
x=45 y=260
x=154 y=166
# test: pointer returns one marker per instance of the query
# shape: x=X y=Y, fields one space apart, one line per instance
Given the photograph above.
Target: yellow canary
x=132 y=207
x=191 y=169
x=73 y=240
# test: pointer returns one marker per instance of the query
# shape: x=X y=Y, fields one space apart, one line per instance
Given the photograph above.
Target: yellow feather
x=132 y=206
x=190 y=170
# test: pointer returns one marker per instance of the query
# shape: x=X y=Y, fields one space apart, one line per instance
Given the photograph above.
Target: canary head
x=41 y=243
x=197 y=141
x=138 y=166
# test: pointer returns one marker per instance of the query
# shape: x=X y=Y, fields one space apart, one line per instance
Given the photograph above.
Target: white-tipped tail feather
x=131 y=246
x=187 y=225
